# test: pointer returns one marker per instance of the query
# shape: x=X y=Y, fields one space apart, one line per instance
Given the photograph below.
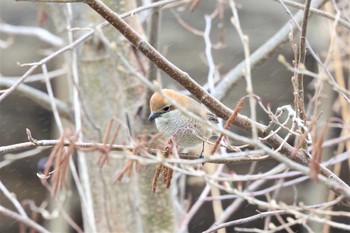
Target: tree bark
x=107 y=90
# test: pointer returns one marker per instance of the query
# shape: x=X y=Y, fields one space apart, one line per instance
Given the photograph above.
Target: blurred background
x=271 y=81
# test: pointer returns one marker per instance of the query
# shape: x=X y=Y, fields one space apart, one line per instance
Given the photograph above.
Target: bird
x=184 y=130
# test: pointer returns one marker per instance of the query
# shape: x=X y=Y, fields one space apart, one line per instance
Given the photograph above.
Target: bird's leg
x=201 y=155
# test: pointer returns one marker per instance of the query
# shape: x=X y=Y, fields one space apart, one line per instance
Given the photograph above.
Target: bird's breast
x=185 y=131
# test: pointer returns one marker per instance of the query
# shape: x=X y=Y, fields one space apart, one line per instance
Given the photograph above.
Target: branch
x=245 y=220
x=299 y=82
x=323 y=67
x=34 y=66
x=39 y=97
x=13 y=200
x=39 y=77
x=42 y=34
x=247 y=70
x=153 y=73
x=22 y=219
x=239 y=157
x=316 y=11
x=259 y=55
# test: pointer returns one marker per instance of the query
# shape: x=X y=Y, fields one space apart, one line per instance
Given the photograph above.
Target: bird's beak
x=154 y=115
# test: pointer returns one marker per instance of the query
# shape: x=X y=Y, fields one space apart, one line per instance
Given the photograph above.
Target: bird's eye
x=166 y=108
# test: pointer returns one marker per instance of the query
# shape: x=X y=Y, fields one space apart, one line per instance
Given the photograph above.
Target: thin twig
x=325 y=14
x=75 y=43
x=198 y=204
x=13 y=200
x=259 y=55
x=39 y=77
x=316 y=57
x=25 y=220
x=38 y=32
x=39 y=97
x=299 y=91
x=52 y=100
x=245 y=220
x=82 y=182
x=153 y=72
x=247 y=69
x=229 y=123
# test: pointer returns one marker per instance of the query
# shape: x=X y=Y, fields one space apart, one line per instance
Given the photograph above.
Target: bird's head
x=160 y=105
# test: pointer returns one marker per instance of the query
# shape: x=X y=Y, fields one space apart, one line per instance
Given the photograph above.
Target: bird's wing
x=212 y=118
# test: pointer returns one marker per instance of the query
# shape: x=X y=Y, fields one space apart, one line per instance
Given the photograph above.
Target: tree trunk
x=107 y=90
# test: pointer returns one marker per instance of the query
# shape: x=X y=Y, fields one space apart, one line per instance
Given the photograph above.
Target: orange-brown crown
x=158 y=102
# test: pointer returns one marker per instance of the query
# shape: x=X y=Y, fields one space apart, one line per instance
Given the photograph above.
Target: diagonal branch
x=27 y=221
x=316 y=11
x=39 y=97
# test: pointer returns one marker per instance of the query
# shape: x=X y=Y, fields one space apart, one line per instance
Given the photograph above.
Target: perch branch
x=91 y=146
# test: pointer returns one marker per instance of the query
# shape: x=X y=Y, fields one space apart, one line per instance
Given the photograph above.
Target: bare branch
x=245 y=220
x=4 y=94
x=39 y=97
x=316 y=11
x=22 y=219
x=13 y=200
x=40 y=33
x=299 y=87
x=257 y=56
x=92 y=146
x=153 y=72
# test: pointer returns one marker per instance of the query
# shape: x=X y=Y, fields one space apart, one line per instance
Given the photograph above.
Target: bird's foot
x=201 y=156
